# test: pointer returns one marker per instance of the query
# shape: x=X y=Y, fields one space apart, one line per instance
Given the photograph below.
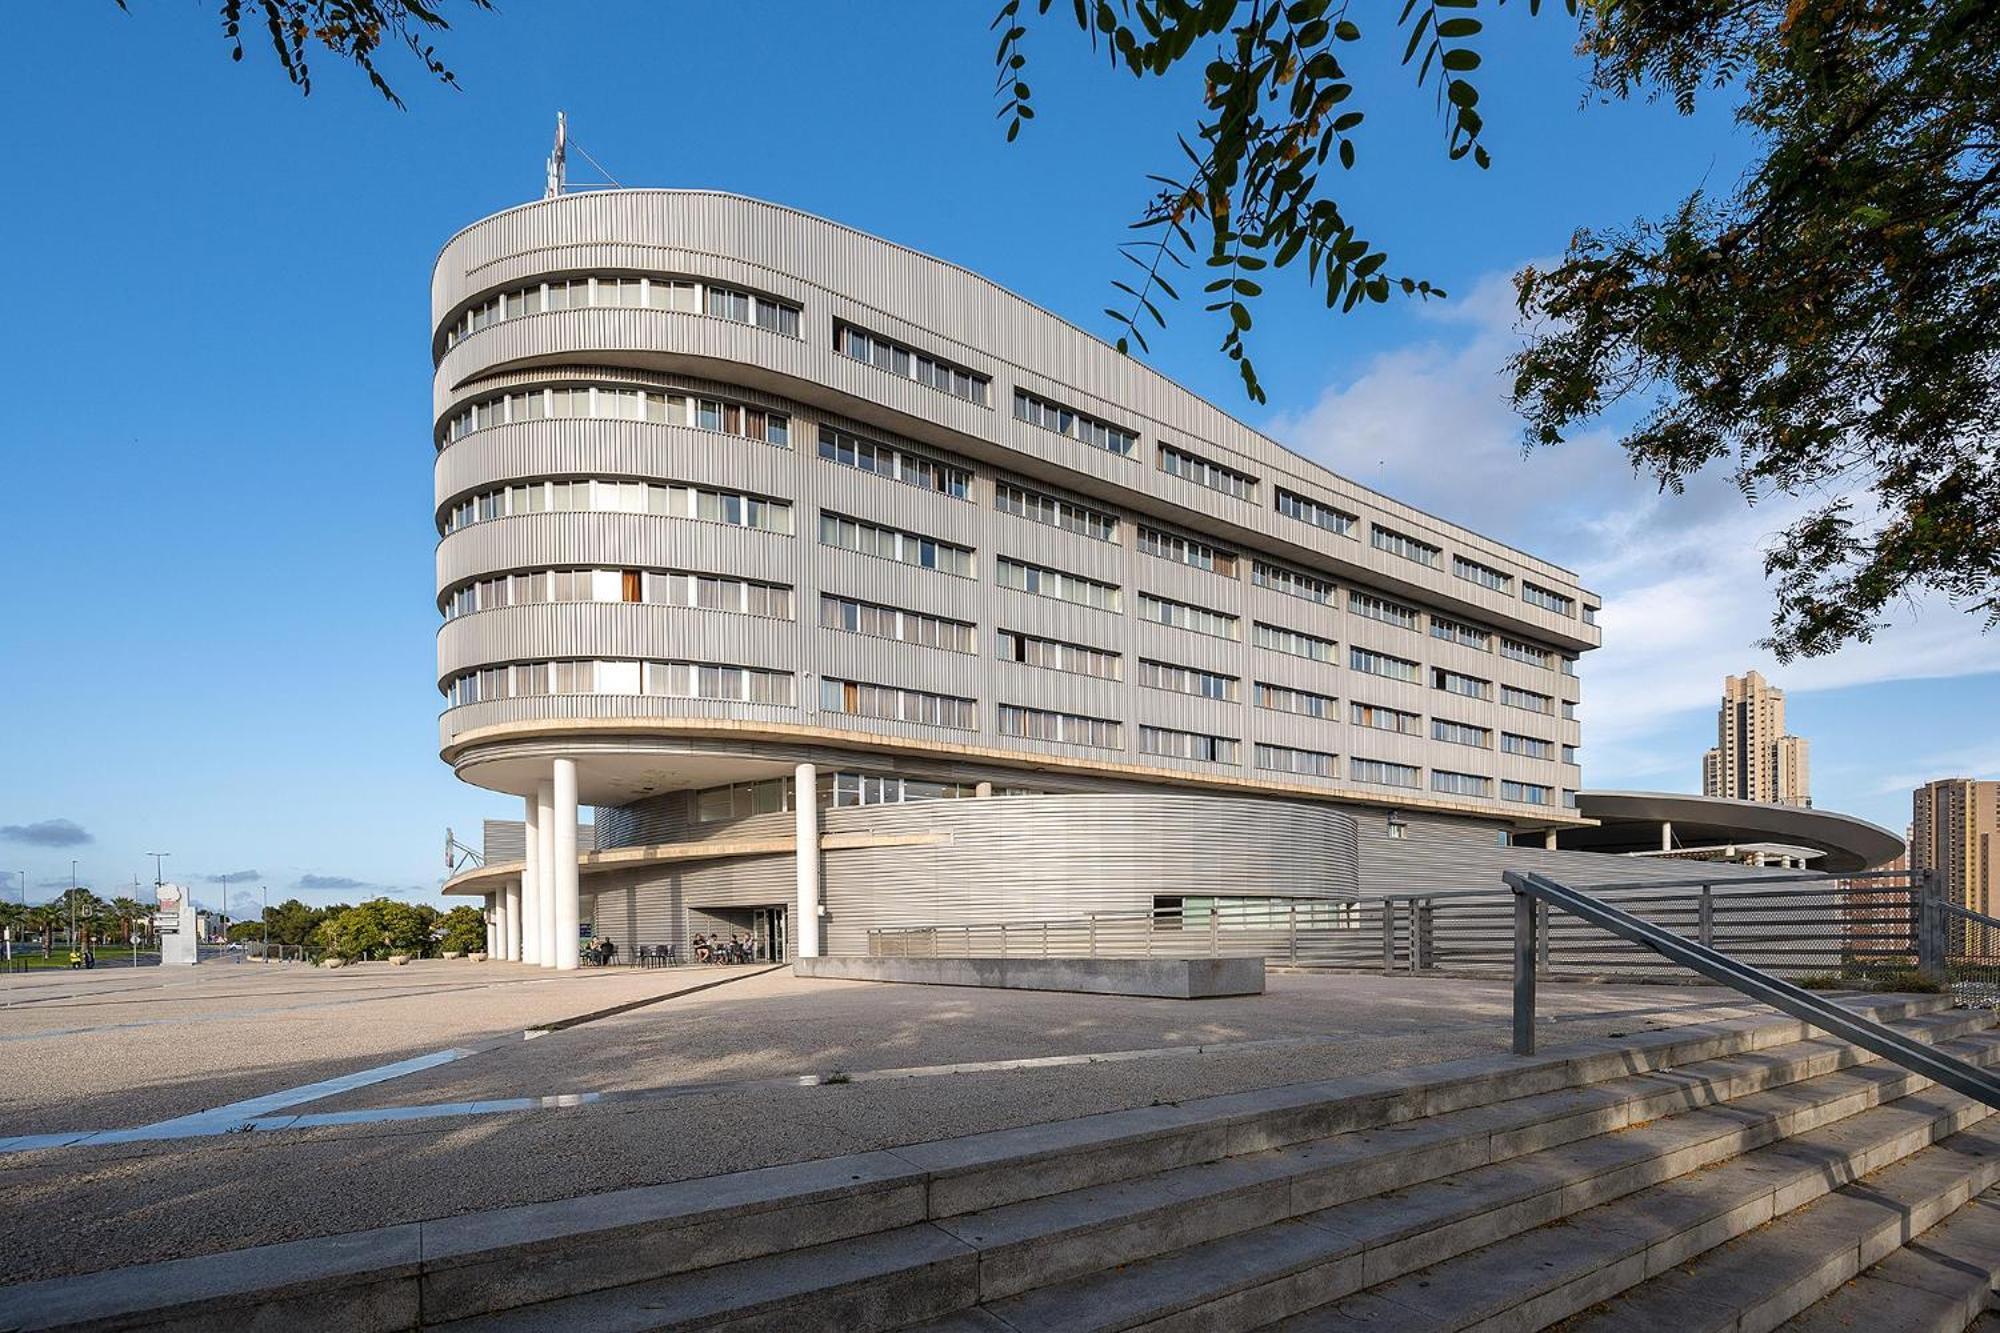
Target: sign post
x=177 y=926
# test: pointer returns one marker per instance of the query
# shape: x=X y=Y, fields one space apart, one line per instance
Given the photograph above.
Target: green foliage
x=1831 y=327
x=376 y=929
x=464 y=930
x=350 y=30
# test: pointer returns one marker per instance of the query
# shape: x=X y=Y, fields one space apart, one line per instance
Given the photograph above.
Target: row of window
x=838 y=446
x=1056 y=513
x=622 y=497
x=661 y=587
x=1186 y=551
x=909 y=548
x=896 y=704
x=682 y=680
x=910 y=364
x=740 y=800
x=1202 y=472
x=1038 y=411
x=887 y=622
x=621 y=403
x=685 y=295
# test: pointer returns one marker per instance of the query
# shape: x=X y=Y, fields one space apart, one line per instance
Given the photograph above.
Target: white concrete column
x=531 y=886
x=1666 y=835
x=805 y=810
x=567 y=905
x=545 y=874
x=510 y=922
x=1549 y=839
x=492 y=914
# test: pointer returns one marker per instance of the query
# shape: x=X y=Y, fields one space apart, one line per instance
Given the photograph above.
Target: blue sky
x=216 y=508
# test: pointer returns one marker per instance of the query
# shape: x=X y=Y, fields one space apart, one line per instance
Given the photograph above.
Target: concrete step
x=1544 y=1276
x=1254 y=1277
x=1758 y=1281
x=1942 y=1282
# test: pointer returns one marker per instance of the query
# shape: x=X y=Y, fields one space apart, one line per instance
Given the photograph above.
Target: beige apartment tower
x=1753 y=758
x=1955 y=830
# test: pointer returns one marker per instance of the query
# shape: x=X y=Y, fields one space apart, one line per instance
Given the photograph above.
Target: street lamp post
x=264 y=891
x=72 y=909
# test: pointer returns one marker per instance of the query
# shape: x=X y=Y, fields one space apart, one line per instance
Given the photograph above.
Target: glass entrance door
x=768 y=930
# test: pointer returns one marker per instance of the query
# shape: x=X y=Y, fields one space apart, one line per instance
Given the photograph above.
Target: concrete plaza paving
x=762 y=1069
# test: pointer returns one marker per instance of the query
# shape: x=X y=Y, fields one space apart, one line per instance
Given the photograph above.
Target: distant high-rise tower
x=1753 y=758
x=1955 y=830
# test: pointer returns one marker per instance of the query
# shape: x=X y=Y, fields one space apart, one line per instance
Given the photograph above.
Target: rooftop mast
x=558 y=165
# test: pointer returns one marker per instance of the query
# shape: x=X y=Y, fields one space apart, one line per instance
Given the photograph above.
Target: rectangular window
x=1453 y=682
x=907 y=548
x=1534 y=594
x=894 y=704
x=703 y=680
x=1037 y=411
x=762 y=311
x=1569 y=754
x=1589 y=618
x=1171 y=744
x=1460 y=784
x=887 y=622
x=1296 y=642
x=1378 y=608
x=1182 y=615
x=1286 y=699
x=1383 y=774
x=1528 y=747
x=1569 y=709
x=1308 y=510
x=1067 y=515
x=1526 y=652
x=1525 y=793
x=1484 y=575
x=1382 y=664
x=1386 y=719
x=1290 y=582
x=1285 y=759
x=1193 y=467
x=838 y=446
x=907 y=363
x=1457 y=631
x=1398 y=543
x=1515 y=697
x=1055 y=655
x=1186 y=680
x=1067 y=728
x=1186 y=551
x=1460 y=733
x=1044 y=582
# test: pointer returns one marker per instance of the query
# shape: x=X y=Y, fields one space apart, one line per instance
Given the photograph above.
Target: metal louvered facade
x=636 y=745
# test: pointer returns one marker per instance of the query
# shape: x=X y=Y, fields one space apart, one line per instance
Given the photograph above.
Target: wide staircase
x=1744 y=1174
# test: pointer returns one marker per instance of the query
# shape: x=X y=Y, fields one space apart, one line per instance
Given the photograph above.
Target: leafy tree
x=464 y=930
x=292 y=922
x=376 y=928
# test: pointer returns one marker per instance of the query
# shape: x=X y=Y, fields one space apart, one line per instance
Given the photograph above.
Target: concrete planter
x=477 y=957
x=398 y=959
x=452 y=953
x=333 y=962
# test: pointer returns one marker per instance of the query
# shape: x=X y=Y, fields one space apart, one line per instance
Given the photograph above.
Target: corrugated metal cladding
x=836 y=275
x=504 y=840
x=1014 y=858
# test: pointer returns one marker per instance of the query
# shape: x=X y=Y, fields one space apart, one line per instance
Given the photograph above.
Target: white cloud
x=1685 y=596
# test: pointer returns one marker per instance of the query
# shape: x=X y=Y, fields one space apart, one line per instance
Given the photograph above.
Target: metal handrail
x=1529 y=888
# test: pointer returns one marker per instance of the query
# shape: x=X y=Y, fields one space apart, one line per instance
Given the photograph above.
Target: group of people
x=603 y=953
x=714 y=949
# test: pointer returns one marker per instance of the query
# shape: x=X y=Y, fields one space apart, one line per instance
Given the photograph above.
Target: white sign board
x=176 y=924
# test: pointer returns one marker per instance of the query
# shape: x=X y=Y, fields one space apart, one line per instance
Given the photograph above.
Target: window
x=1194 y=468
x=1527 y=746
x=837 y=446
x=1460 y=784
x=1524 y=793
x=740 y=800
x=1569 y=799
x=1569 y=709
x=1382 y=664
x=1286 y=699
x=1455 y=631
x=1186 y=680
x=630 y=497
x=1453 y=682
x=1526 y=652
x=849 y=789
x=1290 y=582
x=1589 y=614
x=1484 y=575
x=1065 y=514
x=887 y=622
x=1181 y=615
x=1068 y=728
x=686 y=680
x=1569 y=754
x=1171 y=744
x=622 y=403
x=1514 y=697
x=1397 y=543
x=909 y=364
x=1186 y=551
x=1386 y=719
x=891 y=703
x=1055 y=655
x=1567 y=665
x=1043 y=582
x=1308 y=510
x=1534 y=594
x=1383 y=774
x=908 y=548
x=1296 y=642
x=1077 y=425
x=1377 y=608
x=1460 y=733
x=712 y=592
x=1285 y=759
x=679 y=294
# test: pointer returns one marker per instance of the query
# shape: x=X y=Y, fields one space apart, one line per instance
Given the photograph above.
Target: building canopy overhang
x=1633 y=821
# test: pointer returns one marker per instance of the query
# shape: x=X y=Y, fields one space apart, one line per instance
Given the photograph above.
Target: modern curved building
x=772 y=540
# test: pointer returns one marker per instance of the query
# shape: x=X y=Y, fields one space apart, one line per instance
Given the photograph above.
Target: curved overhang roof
x=1630 y=820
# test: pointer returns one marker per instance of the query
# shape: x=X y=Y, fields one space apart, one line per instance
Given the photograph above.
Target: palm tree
x=130 y=911
x=45 y=919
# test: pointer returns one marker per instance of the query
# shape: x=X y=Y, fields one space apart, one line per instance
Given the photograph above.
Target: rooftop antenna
x=558 y=160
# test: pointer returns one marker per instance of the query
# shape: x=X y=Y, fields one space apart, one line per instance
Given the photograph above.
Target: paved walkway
x=375 y=1095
